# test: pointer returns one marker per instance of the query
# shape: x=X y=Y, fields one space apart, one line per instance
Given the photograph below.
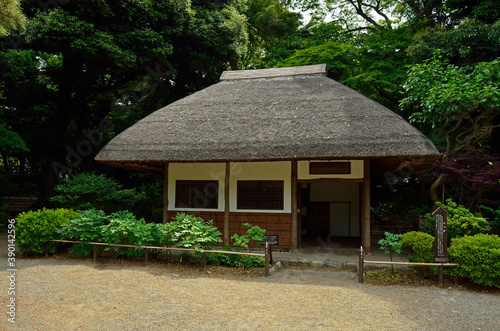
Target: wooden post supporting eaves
x=295 y=215
x=165 y=195
x=365 y=209
x=226 y=203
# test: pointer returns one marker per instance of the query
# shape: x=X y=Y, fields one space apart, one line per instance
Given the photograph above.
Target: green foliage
x=87 y=191
x=339 y=57
x=478 y=257
x=34 y=229
x=189 y=231
x=460 y=101
x=10 y=141
x=123 y=228
x=391 y=244
x=86 y=228
x=230 y=260
x=471 y=42
x=494 y=220
x=11 y=16
x=420 y=246
x=460 y=221
x=254 y=233
x=117 y=228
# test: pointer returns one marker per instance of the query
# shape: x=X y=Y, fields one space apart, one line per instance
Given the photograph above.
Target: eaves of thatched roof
x=270 y=115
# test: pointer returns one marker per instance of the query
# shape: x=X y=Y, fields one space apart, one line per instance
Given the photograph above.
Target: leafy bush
x=189 y=231
x=478 y=257
x=391 y=244
x=87 y=191
x=254 y=233
x=123 y=228
x=35 y=228
x=86 y=228
x=419 y=245
x=461 y=221
x=230 y=260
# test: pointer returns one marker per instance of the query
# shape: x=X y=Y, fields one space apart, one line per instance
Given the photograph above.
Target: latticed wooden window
x=329 y=168
x=260 y=194
x=197 y=194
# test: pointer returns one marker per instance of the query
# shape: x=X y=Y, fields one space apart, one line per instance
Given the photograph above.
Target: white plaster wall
x=261 y=171
x=339 y=192
x=356 y=170
x=238 y=171
x=195 y=171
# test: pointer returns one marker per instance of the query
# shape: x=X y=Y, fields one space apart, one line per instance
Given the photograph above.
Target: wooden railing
x=266 y=255
x=362 y=262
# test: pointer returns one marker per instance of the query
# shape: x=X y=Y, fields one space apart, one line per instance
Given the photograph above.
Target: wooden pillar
x=295 y=216
x=226 y=203
x=365 y=209
x=165 y=194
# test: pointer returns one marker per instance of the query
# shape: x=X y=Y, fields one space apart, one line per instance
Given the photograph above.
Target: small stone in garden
x=209 y=272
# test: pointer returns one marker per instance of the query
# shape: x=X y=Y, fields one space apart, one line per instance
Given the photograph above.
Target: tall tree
x=372 y=63
x=86 y=61
x=353 y=15
x=460 y=102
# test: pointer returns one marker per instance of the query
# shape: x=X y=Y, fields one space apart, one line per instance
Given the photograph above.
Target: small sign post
x=441 y=239
x=269 y=241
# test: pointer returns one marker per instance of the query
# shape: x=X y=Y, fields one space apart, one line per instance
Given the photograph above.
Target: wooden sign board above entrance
x=272 y=240
x=440 y=241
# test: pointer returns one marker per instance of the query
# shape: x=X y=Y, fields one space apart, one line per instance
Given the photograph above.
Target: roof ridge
x=317 y=69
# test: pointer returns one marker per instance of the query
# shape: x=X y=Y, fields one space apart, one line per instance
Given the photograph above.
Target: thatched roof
x=271 y=114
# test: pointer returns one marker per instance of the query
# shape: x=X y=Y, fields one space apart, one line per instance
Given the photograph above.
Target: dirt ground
x=73 y=293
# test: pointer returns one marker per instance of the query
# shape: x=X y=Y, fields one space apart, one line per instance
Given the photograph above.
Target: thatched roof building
x=290 y=150
x=268 y=115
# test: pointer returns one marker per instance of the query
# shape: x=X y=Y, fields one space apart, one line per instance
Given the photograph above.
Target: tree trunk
x=435 y=187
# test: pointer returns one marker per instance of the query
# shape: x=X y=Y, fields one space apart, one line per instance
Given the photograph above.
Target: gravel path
x=61 y=293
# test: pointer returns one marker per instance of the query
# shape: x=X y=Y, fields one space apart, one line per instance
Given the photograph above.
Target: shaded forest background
x=73 y=74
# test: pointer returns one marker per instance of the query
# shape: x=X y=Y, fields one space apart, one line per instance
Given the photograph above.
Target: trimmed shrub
x=419 y=246
x=34 y=229
x=478 y=258
x=461 y=221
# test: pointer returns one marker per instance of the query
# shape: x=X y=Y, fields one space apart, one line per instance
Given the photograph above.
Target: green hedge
x=478 y=258
x=419 y=246
x=34 y=229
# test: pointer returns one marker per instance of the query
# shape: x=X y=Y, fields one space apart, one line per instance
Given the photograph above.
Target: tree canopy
x=75 y=73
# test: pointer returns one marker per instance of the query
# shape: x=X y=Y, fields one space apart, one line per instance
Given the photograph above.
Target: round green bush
x=478 y=258
x=419 y=245
x=34 y=229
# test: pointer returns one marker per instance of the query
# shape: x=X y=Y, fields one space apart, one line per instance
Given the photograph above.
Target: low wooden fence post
x=146 y=255
x=361 y=273
x=267 y=260
x=204 y=259
x=95 y=253
x=441 y=276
